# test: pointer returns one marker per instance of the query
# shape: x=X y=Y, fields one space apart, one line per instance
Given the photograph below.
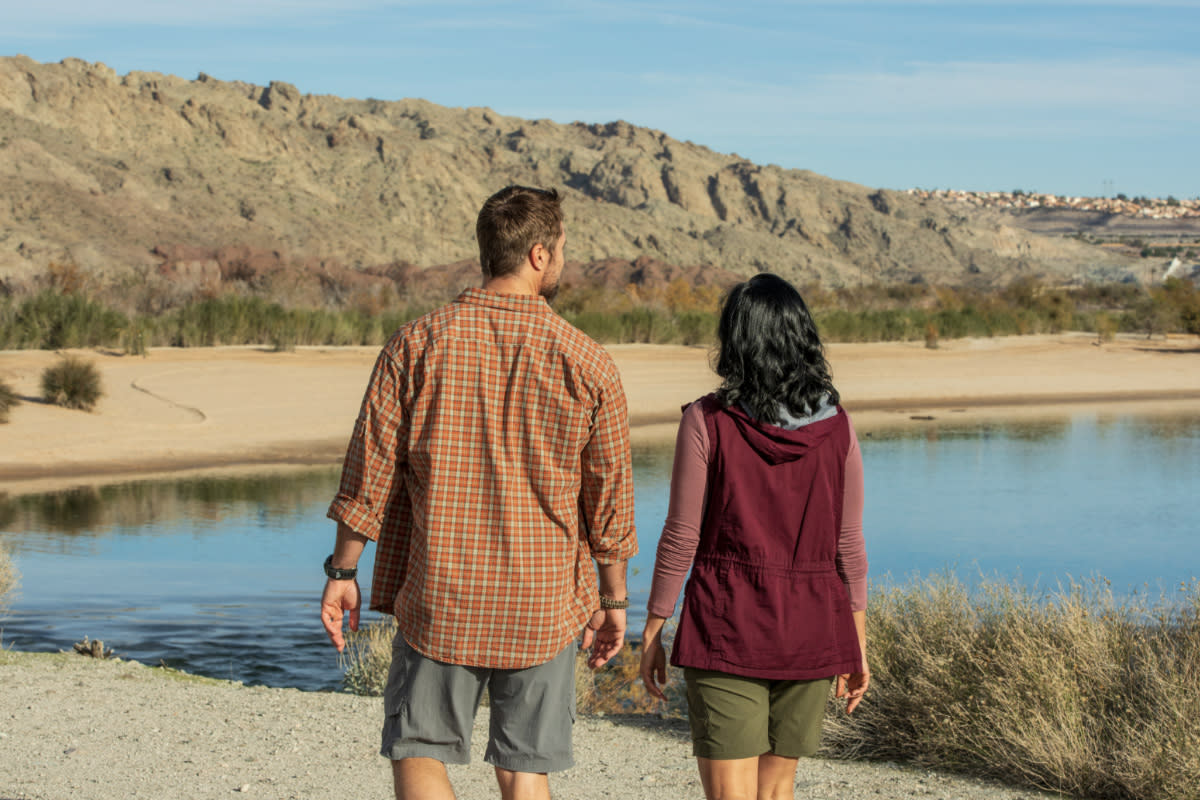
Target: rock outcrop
x=112 y=172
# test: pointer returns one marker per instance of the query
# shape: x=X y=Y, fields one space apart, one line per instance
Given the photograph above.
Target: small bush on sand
x=8 y=400
x=1074 y=692
x=72 y=383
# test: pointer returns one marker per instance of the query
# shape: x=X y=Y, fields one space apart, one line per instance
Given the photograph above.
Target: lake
x=221 y=576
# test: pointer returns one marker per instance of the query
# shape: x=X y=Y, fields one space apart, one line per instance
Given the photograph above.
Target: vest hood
x=777 y=445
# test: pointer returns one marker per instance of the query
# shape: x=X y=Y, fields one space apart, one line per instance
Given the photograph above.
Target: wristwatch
x=608 y=602
x=337 y=574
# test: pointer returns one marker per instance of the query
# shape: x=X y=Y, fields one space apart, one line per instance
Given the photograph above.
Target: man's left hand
x=604 y=635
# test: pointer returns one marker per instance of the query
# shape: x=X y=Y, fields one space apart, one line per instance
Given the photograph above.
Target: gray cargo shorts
x=430 y=706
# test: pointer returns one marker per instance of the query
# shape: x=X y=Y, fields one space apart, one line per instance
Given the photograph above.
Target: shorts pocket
x=395 y=694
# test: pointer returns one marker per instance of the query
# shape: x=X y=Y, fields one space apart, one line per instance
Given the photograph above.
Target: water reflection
x=221 y=575
x=141 y=507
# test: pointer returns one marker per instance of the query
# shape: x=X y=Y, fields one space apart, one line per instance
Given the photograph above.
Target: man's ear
x=539 y=257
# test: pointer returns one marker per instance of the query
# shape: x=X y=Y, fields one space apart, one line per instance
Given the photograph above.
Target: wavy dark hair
x=769 y=352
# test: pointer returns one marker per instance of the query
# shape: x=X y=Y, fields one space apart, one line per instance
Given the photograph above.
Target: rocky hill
x=114 y=172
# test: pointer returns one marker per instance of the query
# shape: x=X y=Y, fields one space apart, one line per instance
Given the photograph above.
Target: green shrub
x=136 y=335
x=72 y=383
x=50 y=320
x=8 y=400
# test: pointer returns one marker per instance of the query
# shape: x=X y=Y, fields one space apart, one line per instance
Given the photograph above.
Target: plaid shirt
x=490 y=462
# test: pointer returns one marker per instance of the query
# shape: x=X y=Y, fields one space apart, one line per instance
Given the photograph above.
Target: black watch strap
x=338 y=574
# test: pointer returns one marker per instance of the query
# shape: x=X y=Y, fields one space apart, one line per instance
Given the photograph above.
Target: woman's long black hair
x=769 y=351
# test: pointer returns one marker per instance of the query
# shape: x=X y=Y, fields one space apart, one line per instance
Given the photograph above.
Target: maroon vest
x=764 y=598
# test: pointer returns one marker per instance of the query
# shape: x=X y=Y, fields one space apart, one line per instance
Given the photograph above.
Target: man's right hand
x=338 y=598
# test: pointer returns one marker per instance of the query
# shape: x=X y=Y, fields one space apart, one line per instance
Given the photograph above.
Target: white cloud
x=76 y=13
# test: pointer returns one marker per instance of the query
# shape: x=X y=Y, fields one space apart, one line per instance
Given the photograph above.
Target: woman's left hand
x=852 y=687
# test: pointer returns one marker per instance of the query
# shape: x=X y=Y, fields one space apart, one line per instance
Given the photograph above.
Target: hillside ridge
x=112 y=173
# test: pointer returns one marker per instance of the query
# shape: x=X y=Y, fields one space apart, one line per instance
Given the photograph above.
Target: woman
x=766 y=511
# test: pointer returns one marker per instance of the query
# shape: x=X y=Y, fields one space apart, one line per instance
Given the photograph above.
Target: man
x=490 y=462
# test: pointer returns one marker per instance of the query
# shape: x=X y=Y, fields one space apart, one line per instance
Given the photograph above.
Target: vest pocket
x=781 y=619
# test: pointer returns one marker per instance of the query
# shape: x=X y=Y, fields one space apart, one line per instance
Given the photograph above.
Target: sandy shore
x=245 y=407
x=73 y=727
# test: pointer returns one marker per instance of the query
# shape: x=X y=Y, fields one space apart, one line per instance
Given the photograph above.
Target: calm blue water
x=222 y=576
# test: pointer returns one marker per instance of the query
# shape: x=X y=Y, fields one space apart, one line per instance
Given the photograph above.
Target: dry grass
x=367 y=657
x=1075 y=691
x=9 y=579
x=616 y=688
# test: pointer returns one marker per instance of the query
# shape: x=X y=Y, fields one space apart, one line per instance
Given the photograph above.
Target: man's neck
x=511 y=284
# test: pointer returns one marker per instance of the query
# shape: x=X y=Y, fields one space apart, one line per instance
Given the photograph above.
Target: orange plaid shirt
x=490 y=462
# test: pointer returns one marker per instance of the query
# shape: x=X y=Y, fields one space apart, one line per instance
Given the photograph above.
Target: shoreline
x=205 y=411
x=80 y=727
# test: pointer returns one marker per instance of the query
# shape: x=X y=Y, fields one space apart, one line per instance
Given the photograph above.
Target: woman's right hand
x=654 y=657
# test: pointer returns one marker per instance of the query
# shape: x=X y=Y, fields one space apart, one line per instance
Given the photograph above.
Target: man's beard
x=549 y=292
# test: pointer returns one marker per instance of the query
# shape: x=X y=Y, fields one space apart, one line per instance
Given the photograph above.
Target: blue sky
x=1063 y=96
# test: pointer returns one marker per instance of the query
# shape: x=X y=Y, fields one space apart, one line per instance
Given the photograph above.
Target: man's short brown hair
x=511 y=222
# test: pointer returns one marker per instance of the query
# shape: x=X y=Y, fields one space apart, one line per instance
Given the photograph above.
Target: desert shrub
x=697 y=327
x=285 y=333
x=9 y=579
x=1105 y=325
x=616 y=687
x=645 y=325
x=135 y=337
x=1075 y=692
x=51 y=320
x=72 y=383
x=931 y=336
x=8 y=399
x=368 y=656
x=601 y=326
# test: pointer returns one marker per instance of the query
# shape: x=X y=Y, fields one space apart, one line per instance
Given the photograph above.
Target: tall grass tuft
x=72 y=383
x=1075 y=691
x=9 y=399
x=9 y=579
x=368 y=656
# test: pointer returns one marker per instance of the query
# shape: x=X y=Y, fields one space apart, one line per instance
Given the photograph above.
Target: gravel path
x=74 y=727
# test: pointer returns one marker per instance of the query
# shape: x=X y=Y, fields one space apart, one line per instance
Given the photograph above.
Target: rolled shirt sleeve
x=606 y=488
x=371 y=472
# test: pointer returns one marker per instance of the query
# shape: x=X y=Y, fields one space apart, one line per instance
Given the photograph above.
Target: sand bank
x=217 y=409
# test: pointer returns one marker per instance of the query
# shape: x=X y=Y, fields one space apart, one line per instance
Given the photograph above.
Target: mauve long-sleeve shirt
x=685 y=515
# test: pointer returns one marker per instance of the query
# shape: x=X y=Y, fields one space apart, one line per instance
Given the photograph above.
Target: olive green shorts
x=732 y=716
